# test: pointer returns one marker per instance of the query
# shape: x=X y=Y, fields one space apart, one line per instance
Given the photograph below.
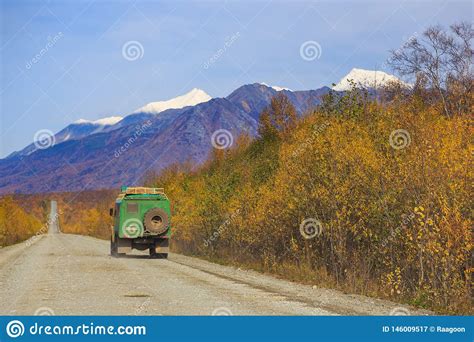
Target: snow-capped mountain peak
x=112 y=120
x=192 y=98
x=277 y=88
x=81 y=128
x=77 y=130
x=366 y=79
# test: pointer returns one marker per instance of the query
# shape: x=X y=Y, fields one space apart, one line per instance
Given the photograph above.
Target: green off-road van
x=141 y=221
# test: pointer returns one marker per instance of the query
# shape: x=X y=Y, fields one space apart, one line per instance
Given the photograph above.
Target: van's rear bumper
x=142 y=243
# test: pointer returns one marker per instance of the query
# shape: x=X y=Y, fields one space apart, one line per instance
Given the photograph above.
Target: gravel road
x=66 y=274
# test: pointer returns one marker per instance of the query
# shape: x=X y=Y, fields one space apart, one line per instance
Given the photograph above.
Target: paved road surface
x=74 y=275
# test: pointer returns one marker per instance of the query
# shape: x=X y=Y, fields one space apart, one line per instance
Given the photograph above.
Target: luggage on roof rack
x=143 y=190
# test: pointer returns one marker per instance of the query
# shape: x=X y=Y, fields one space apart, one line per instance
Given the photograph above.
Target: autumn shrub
x=387 y=184
x=16 y=224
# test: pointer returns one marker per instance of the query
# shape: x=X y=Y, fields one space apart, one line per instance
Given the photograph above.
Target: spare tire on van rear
x=156 y=221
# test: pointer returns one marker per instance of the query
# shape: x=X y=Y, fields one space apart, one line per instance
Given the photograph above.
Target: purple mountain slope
x=121 y=153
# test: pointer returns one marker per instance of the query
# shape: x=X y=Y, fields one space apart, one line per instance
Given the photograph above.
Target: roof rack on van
x=143 y=190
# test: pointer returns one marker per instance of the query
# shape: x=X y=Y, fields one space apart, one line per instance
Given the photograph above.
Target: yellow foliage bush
x=16 y=224
x=395 y=211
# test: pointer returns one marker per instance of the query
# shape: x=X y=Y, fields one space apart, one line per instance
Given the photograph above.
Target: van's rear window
x=132 y=207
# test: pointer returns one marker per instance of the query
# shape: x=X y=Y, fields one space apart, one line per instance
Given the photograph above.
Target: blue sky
x=80 y=70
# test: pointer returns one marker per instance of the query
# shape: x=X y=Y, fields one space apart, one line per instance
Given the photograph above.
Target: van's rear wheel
x=155 y=255
x=113 y=248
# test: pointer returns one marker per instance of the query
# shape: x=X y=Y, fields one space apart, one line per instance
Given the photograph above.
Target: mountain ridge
x=149 y=144
x=123 y=152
